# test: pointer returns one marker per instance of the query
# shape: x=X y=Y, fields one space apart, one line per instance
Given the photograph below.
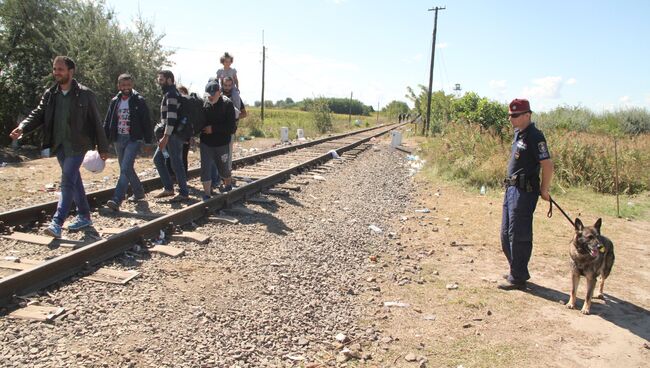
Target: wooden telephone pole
x=425 y=128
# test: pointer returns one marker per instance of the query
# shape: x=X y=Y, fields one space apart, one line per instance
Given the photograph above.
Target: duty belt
x=520 y=181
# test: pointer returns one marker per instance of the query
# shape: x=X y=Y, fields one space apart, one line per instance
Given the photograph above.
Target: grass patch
x=474 y=351
x=274 y=119
x=635 y=207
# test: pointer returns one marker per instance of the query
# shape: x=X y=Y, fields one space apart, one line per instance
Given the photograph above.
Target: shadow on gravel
x=289 y=200
x=614 y=310
x=273 y=224
x=271 y=207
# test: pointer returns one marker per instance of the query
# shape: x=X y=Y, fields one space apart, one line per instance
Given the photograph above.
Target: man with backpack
x=171 y=143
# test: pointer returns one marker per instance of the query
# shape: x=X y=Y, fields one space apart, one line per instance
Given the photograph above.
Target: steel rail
x=39 y=212
x=64 y=266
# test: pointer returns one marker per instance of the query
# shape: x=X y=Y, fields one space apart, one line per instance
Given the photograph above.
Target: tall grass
x=478 y=157
x=274 y=119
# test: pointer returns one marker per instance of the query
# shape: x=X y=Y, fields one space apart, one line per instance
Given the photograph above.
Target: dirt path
x=477 y=325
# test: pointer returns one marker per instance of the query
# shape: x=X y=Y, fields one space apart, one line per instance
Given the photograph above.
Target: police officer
x=523 y=187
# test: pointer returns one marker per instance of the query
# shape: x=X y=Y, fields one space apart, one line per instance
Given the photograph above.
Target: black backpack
x=191 y=118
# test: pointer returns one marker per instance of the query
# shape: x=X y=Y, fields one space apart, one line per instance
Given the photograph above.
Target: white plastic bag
x=93 y=163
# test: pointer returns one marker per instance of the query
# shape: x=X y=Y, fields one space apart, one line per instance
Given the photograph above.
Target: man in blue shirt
x=529 y=154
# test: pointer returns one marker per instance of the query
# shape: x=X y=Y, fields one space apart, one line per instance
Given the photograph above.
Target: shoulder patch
x=542 y=147
x=543 y=153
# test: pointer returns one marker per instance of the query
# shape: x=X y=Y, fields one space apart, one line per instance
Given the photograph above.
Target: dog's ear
x=578 y=224
x=597 y=225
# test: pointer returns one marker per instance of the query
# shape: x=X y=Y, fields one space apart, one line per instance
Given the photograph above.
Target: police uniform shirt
x=528 y=149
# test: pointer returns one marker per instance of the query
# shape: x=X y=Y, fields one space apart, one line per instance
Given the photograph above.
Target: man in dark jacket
x=71 y=126
x=127 y=125
x=215 y=137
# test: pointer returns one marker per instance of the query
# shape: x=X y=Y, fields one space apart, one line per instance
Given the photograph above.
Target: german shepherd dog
x=592 y=255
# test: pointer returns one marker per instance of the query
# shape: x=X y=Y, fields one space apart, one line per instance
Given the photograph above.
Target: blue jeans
x=517 y=230
x=175 y=149
x=127 y=150
x=72 y=188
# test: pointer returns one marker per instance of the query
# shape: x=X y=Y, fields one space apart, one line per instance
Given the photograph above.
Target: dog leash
x=550 y=210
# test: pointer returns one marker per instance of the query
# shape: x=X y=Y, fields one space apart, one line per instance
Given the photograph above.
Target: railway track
x=258 y=173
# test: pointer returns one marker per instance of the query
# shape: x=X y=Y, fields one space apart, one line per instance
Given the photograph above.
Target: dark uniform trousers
x=517 y=230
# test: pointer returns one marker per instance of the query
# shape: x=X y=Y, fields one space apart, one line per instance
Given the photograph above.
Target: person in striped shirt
x=170 y=144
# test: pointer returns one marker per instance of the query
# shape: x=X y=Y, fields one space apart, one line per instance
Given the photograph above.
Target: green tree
x=471 y=108
x=395 y=108
x=34 y=31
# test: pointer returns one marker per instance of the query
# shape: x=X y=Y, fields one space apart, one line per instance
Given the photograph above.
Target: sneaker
x=134 y=199
x=54 y=230
x=225 y=189
x=507 y=285
x=113 y=205
x=79 y=223
x=164 y=193
x=206 y=197
x=179 y=198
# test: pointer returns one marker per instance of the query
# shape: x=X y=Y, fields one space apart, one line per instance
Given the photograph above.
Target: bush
x=322 y=115
x=634 y=121
x=253 y=123
x=572 y=118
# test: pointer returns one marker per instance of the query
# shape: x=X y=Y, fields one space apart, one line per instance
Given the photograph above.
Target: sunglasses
x=516 y=115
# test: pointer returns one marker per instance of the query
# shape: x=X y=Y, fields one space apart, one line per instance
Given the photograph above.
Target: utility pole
x=350 y=115
x=425 y=128
x=377 y=112
x=263 y=69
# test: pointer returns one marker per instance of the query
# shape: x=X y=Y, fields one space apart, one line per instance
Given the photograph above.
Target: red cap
x=519 y=106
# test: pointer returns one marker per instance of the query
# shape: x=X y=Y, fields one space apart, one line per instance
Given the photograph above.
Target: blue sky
x=572 y=52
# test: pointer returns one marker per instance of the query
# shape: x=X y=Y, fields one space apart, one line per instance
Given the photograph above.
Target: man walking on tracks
x=170 y=144
x=127 y=125
x=529 y=154
x=71 y=126
x=215 y=138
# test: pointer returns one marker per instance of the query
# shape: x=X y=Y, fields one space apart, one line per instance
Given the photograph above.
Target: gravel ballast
x=273 y=290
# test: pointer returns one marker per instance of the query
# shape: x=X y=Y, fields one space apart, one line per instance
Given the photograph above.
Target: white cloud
x=571 y=81
x=499 y=86
x=624 y=99
x=547 y=87
x=442 y=45
x=647 y=99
